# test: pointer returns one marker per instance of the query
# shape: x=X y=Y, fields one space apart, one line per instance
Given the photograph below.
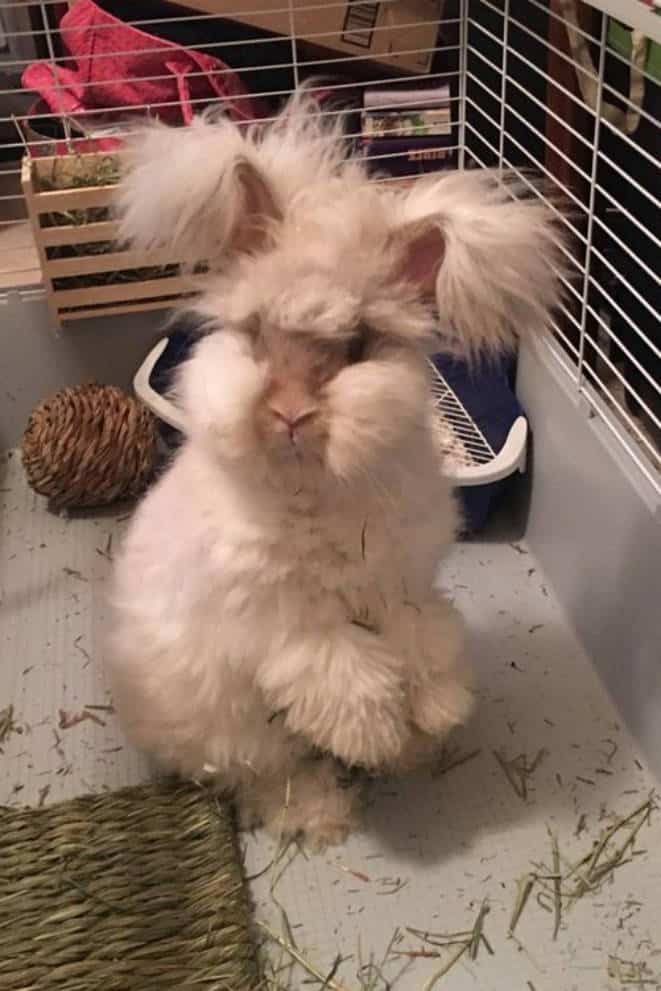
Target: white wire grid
x=511 y=74
x=461 y=442
x=517 y=101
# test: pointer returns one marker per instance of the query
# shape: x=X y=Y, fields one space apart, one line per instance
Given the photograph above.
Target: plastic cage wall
x=560 y=89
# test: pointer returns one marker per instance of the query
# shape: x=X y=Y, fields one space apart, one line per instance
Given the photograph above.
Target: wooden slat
x=104 y=230
x=109 y=311
x=29 y=195
x=74 y=199
x=125 y=290
x=19 y=260
x=111 y=261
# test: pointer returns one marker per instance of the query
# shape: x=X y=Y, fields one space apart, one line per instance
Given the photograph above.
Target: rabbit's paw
x=436 y=707
x=368 y=736
x=344 y=693
x=431 y=638
x=308 y=801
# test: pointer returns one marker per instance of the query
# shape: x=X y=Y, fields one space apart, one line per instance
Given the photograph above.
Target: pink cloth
x=111 y=62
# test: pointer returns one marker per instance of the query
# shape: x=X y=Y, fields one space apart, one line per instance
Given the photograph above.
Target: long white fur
x=269 y=609
x=498 y=278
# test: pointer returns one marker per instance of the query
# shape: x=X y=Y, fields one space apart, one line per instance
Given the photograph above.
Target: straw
x=83 y=172
x=136 y=890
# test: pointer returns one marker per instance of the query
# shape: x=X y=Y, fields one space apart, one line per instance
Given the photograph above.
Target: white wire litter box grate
x=468 y=457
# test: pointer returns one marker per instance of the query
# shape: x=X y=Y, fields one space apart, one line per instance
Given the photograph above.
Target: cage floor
x=433 y=848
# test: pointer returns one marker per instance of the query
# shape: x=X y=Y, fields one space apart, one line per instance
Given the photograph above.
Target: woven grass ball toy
x=89 y=446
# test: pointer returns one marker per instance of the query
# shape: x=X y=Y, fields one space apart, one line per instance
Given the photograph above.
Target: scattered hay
x=558 y=889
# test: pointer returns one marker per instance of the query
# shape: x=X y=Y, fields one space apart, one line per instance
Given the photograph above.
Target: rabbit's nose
x=293 y=419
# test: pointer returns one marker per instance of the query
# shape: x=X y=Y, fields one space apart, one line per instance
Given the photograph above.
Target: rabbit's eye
x=357 y=347
x=253 y=334
x=251 y=329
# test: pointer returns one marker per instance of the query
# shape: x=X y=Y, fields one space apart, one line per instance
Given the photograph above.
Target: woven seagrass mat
x=136 y=890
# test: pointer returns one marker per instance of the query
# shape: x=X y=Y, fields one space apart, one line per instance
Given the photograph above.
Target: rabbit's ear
x=196 y=192
x=422 y=249
x=491 y=258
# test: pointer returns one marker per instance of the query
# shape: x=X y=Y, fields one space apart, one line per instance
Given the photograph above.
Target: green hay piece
x=326 y=980
x=440 y=974
x=519 y=769
x=7 y=724
x=590 y=872
x=468 y=941
x=524 y=887
x=81 y=171
x=83 y=174
x=560 y=890
x=631 y=972
x=451 y=757
x=136 y=890
x=477 y=935
x=371 y=975
x=557 y=885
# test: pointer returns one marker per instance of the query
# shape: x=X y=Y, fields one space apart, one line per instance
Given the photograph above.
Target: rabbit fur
x=274 y=602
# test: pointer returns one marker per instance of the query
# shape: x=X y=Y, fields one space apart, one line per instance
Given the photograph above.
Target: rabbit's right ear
x=195 y=192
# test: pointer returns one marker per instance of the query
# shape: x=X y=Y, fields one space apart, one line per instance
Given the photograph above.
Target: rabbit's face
x=319 y=280
x=312 y=373
x=292 y=412
x=318 y=317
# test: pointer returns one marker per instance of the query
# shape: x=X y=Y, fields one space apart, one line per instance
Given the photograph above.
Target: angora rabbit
x=275 y=616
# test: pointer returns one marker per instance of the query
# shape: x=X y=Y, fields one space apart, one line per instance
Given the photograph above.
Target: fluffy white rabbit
x=274 y=601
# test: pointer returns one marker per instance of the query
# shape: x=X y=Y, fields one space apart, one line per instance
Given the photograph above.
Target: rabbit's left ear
x=489 y=253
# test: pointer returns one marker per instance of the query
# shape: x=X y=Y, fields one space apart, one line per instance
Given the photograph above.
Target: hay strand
x=8 y=724
x=301 y=960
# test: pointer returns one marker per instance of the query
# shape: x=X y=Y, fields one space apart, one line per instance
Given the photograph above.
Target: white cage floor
x=432 y=848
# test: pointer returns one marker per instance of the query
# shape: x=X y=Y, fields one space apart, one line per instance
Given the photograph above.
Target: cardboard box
x=398 y=33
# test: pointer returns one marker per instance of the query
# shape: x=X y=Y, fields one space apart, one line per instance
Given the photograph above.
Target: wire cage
x=561 y=89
